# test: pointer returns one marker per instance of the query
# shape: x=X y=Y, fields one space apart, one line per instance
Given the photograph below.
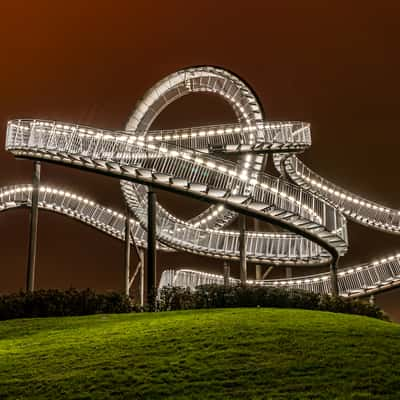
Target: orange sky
x=335 y=66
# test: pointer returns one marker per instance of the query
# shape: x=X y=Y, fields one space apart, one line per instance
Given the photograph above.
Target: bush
x=54 y=303
x=217 y=296
x=72 y=302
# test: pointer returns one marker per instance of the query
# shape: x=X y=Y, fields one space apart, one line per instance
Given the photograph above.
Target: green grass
x=207 y=354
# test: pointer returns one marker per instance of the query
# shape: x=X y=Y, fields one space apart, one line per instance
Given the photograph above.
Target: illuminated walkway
x=356 y=281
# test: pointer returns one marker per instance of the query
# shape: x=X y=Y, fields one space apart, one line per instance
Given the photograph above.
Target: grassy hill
x=207 y=354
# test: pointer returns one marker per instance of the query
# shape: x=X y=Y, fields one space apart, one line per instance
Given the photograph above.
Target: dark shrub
x=176 y=298
x=51 y=303
x=302 y=299
x=350 y=306
x=217 y=296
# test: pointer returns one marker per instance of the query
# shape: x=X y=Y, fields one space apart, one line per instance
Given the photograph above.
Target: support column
x=127 y=250
x=227 y=273
x=334 y=279
x=283 y=174
x=151 y=249
x=372 y=300
x=259 y=267
x=288 y=272
x=142 y=277
x=30 y=276
x=259 y=272
x=242 y=249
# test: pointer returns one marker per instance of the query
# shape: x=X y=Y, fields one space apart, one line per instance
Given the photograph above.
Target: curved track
x=190 y=162
x=186 y=171
x=74 y=206
x=356 y=281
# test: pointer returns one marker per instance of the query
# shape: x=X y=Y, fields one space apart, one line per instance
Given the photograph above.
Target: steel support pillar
x=259 y=272
x=127 y=271
x=372 y=299
x=227 y=273
x=334 y=279
x=242 y=249
x=30 y=275
x=283 y=174
x=151 y=249
x=259 y=268
x=142 y=278
x=289 y=272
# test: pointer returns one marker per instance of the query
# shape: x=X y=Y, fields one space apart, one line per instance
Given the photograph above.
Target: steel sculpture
x=311 y=211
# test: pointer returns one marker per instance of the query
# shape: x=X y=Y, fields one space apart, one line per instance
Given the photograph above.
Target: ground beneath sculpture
x=229 y=353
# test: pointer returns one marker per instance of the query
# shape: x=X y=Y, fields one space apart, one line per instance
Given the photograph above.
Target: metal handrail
x=357 y=281
x=74 y=206
x=274 y=194
x=353 y=206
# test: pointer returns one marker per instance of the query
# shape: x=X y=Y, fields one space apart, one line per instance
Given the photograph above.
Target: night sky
x=89 y=62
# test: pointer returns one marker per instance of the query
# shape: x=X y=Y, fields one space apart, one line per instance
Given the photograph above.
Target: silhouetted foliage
x=72 y=302
x=217 y=296
x=52 y=303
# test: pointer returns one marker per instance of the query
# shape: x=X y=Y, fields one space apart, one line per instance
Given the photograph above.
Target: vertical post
x=30 y=276
x=242 y=248
x=259 y=268
x=283 y=174
x=259 y=272
x=334 y=279
x=227 y=272
x=151 y=249
x=142 y=266
x=289 y=272
x=372 y=300
x=127 y=250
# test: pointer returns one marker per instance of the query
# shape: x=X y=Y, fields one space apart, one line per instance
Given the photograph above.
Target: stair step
x=100 y=163
x=113 y=165
x=74 y=157
x=162 y=177
x=281 y=214
x=179 y=182
x=128 y=169
x=145 y=173
x=198 y=187
x=258 y=206
x=308 y=225
x=216 y=192
x=86 y=160
x=238 y=199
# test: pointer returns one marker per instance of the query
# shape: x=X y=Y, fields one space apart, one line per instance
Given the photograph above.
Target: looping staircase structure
x=189 y=161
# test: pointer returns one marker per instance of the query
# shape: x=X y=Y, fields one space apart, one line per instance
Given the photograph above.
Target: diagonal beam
x=267 y=272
